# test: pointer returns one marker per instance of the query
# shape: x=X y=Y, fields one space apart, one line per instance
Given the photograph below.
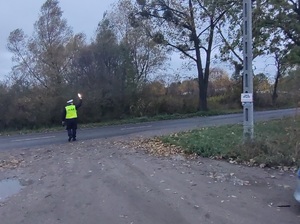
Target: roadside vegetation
x=276 y=143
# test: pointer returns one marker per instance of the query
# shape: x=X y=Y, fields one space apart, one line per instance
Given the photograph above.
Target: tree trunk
x=202 y=104
x=275 y=95
x=202 y=97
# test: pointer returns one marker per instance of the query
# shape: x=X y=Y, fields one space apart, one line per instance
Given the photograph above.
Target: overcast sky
x=82 y=16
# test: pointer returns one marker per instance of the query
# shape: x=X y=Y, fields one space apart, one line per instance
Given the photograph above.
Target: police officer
x=69 y=118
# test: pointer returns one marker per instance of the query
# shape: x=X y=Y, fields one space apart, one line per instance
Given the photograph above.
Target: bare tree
x=45 y=56
x=24 y=68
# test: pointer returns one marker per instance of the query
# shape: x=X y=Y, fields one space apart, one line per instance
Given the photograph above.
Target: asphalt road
x=143 y=129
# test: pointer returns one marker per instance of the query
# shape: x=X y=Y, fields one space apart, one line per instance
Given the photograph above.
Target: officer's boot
x=74 y=134
x=69 y=134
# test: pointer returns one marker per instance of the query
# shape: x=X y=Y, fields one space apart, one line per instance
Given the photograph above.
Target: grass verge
x=276 y=143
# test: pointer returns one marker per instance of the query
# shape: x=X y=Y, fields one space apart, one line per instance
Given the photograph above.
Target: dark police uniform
x=69 y=118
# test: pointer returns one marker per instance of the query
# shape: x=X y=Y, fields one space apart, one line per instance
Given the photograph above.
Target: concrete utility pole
x=247 y=95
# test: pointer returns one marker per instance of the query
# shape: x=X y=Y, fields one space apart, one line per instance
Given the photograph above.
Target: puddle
x=8 y=188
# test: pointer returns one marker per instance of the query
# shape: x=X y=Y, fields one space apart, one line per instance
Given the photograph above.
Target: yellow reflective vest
x=71 y=112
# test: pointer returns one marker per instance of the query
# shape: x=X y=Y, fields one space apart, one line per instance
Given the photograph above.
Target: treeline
x=33 y=107
x=121 y=72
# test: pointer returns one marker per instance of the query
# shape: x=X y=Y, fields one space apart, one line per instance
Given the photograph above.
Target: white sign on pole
x=247 y=98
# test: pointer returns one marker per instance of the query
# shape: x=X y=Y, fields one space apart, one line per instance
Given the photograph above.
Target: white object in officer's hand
x=79 y=95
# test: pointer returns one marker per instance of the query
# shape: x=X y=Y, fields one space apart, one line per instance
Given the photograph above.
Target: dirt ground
x=110 y=181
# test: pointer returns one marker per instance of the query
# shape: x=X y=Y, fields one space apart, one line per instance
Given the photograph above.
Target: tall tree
x=283 y=19
x=45 y=56
x=103 y=69
x=275 y=26
x=231 y=33
x=285 y=15
x=189 y=27
x=282 y=64
x=24 y=66
x=147 y=56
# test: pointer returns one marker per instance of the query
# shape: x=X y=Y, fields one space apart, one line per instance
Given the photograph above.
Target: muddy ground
x=110 y=181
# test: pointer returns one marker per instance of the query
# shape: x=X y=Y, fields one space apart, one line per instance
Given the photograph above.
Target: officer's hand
x=63 y=123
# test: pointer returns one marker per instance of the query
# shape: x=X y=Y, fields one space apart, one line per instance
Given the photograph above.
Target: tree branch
x=228 y=45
